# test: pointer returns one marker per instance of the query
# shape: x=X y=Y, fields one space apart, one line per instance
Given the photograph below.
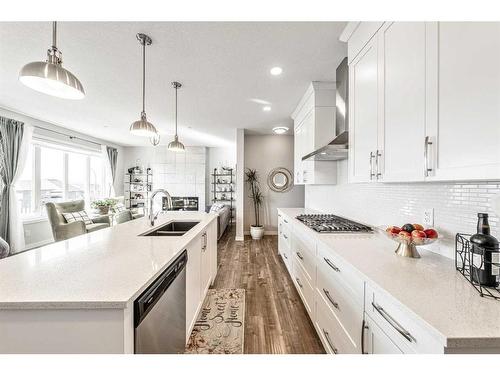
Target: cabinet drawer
x=343 y=306
x=341 y=273
x=285 y=231
x=287 y=257
x=402 y=327
x=304 y=288
x=331 y=333
x=303 y=252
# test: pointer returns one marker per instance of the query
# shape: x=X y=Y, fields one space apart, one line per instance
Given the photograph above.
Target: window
x=56 y=174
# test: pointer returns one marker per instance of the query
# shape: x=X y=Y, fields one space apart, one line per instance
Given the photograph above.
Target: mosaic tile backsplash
x=455 y=204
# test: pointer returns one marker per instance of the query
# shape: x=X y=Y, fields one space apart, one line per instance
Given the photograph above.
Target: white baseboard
x=239 y=238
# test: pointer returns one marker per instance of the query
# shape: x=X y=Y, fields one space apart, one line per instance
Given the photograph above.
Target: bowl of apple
x=409 y=236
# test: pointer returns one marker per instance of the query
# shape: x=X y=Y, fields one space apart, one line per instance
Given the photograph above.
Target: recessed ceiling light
x=266 y=108
x=276 y=71
x=280 y=129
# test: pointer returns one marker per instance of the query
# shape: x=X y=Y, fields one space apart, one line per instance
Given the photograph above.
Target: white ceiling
x=224 y=69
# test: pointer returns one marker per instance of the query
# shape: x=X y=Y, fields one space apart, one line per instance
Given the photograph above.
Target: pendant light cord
x=143 y=76
x=176 y=110
x=54 y=35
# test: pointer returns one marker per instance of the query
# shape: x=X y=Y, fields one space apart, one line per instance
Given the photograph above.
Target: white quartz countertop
x=104 y=269
x=428 y=287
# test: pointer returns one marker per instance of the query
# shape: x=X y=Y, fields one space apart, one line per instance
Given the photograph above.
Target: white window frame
x=36 y=145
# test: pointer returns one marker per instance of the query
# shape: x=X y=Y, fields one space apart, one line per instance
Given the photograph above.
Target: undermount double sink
x=173 y=228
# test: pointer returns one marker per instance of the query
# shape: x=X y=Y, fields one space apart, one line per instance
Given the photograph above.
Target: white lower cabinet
x=304 y=287
x=342 y=305
x=350 y=314
x=375 y=341
x=200 y=272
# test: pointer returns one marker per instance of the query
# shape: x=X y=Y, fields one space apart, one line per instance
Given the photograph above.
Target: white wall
x=180 y=173
x=455 y=204
x=240 y=185
x=218 y=157
x=37 y=232
x=264 y=153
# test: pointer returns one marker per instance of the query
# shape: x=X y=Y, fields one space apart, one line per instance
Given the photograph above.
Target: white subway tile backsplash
x=455 y=204
x=171 y=172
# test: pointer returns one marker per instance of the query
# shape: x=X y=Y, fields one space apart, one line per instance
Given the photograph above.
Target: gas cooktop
x=327 y=223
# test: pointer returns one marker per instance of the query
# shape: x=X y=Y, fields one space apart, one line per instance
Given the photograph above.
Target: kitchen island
x=77 y=296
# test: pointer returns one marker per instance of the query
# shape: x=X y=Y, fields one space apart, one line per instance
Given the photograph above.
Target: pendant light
x=143 y=127
x=49 y=77
x=175 y=145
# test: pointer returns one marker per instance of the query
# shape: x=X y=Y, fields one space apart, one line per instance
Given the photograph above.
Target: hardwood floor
x=276 y=321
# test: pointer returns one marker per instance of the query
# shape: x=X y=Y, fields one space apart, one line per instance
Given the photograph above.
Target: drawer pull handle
x=285 y=221
x=285 y=256
x=329 y=262
x=300 y=256
x=327 y=337
x=403 y=332
x=298 y=282
x=284 y=235
x=332 y=301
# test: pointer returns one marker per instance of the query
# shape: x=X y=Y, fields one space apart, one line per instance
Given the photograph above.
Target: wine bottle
x=485 y=251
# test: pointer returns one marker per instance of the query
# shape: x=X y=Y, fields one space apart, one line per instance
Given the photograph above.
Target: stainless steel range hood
x=338 y=147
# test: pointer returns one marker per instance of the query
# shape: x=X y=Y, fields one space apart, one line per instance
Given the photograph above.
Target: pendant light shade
x=49 y=77
x=142 y=127
x=176 y=145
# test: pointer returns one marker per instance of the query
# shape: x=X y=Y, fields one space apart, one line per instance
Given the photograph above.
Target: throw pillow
x=77 y=216
x=119 y=207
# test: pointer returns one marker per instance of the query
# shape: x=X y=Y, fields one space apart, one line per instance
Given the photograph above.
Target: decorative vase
x=103 y=210
x=256 y=231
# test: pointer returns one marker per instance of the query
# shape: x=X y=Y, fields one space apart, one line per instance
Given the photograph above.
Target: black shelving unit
x=224 y=179
x=138 y=187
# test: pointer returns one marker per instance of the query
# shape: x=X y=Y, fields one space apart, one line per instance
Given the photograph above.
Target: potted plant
x=103 y=205
x=256 y=230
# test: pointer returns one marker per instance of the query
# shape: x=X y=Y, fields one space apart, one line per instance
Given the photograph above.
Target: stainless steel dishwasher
x=160 y=312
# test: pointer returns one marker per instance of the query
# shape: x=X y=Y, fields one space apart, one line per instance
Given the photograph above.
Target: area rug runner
x=219 y=328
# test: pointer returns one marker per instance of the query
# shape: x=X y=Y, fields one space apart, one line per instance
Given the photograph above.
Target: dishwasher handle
x=145 y=302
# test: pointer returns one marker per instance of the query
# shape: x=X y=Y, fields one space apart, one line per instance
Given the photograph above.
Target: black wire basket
x=469 y=264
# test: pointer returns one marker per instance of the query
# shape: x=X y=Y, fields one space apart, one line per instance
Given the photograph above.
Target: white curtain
x=110 y=190
x=16 y=228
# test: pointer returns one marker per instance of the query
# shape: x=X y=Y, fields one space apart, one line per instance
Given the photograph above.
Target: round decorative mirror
x=280 y=180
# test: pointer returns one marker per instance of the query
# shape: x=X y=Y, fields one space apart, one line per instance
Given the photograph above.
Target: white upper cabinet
x=424 y=102
x=464 y=100
x=363 y=109
x=314 y=127
x=402 y=96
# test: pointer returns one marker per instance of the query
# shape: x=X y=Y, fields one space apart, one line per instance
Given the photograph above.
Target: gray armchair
x=61 y=230
x=123 y=217
x=4 y=248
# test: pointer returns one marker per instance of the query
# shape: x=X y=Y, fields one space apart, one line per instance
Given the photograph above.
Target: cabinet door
x=375 y=341
x=464 y=100
x=205 y=265
x=297 y=144
x=193 y=283
x=402 y=136
x=363 y=109
x=212 y=246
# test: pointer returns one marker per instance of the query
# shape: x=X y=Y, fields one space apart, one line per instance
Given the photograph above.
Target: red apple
x=431 y=233
x=393 y=230
x=418 y=226
x=418 y=236
x=404 y=235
